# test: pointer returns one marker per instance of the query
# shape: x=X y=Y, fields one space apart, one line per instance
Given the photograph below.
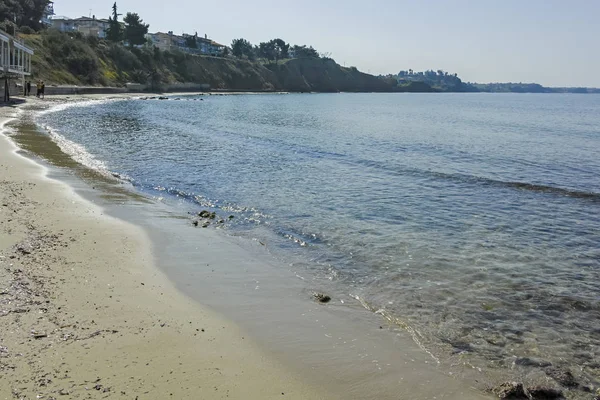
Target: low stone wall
x=175 y=87
x=67 y=90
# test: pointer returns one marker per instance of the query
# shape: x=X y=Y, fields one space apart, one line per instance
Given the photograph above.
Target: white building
x=15 y=61
x=63 y=24
x=86 y=25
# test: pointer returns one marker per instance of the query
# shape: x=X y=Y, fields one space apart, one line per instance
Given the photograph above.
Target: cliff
x=324 y=75
x=72 y=59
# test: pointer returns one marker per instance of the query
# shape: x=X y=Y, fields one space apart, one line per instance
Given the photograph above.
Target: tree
x=191 y=42
x=135 y=29
x=242 y=47
x=281 y=49
x=267 y=50
x=305 y=52
x=114 y=32
x=23 y=13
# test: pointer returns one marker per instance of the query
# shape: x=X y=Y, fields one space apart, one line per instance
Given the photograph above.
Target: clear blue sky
x=552 y=42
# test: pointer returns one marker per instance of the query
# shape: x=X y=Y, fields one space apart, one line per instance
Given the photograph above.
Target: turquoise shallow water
x=471 y=218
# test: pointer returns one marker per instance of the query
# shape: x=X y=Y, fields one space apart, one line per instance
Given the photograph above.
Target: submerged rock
x=562 y=376
x=212 y=215
x=544 y=393
x=321 y=297
x=532 y=362
x=510 y=391
x=204 y=214
x=195 y=223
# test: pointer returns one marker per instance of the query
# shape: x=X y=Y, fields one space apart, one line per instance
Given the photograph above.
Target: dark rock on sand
x=195 y=223
x=204 y=214
x=24 y=248
x=321 y=298
x=544 y=393
x=562 y=376
x=511 y=391
x=163 y=98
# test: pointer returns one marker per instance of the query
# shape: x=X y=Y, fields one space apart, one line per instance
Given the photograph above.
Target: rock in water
x=561 y=376
x=321 y=298
x=204 y=214
x=510 y=391
x=544 y=393
x=532 y=362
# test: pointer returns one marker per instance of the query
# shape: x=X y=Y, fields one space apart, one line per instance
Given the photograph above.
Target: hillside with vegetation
x=73 y=59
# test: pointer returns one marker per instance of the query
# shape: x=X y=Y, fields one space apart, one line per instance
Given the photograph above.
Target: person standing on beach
x=43 y=90
x=39 y=89
x=28 y=88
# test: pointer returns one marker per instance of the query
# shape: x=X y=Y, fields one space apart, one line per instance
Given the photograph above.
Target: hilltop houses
x=92 y=26
x=193 y=44
x=86 y=25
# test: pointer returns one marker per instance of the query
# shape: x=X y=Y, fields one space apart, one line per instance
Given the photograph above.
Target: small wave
x=480 y=180
x=77 y=152
x=526 y=186
x=416 y=336
x=77 y=104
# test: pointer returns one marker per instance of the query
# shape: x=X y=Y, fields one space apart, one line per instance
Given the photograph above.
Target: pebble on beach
x=321 y=297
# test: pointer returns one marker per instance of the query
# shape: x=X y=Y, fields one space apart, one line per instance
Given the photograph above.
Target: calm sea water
x=471 y=218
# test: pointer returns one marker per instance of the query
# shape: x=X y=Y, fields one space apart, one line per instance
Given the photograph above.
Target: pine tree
x=114 y=33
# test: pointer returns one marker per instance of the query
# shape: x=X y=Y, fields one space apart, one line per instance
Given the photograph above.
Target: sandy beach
x=84 y=312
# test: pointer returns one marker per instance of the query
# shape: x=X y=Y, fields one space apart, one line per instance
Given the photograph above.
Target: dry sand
x=84 y=312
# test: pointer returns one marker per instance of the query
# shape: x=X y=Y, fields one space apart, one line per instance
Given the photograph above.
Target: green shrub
x=139 y=76
x=26 y=30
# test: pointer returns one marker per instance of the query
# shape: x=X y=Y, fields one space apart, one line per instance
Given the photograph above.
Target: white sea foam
x=76 y=151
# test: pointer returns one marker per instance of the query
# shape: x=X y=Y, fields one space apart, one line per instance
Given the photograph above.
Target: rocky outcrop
x=325 y=75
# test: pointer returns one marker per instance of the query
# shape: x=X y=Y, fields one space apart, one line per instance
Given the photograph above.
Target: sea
x=470 y=219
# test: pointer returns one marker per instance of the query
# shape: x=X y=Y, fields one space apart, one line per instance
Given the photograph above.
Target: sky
x=551 y=42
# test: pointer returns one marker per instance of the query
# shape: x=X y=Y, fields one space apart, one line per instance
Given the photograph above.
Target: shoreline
x=412 y=379
x=86 y=313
